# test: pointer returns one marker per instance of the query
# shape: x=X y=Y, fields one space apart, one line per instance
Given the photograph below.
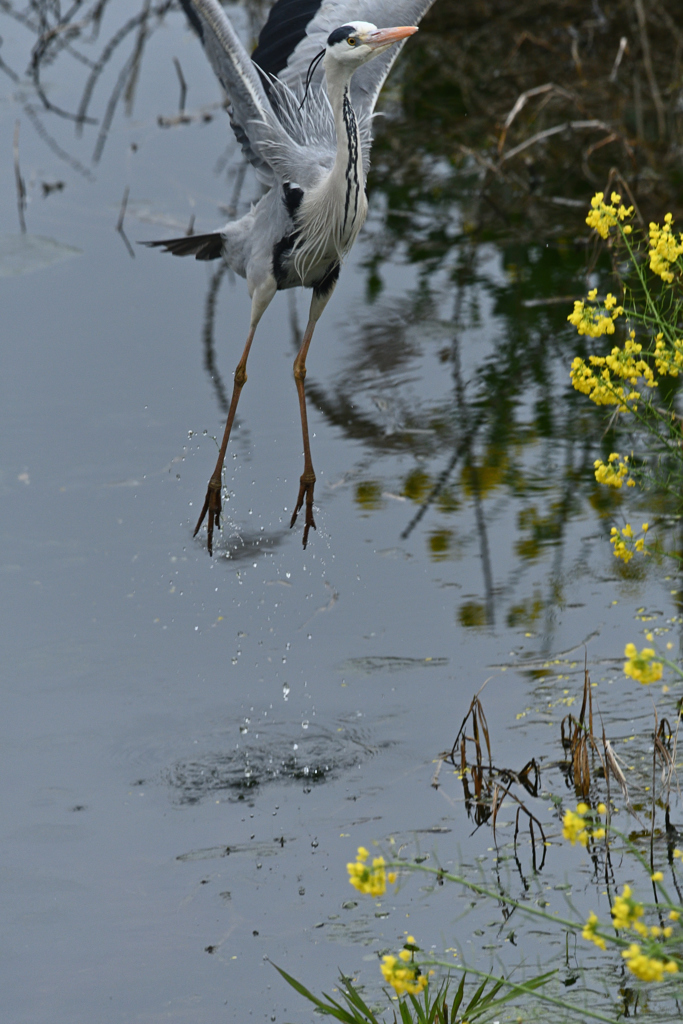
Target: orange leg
x=307 y=479
x=212 y=502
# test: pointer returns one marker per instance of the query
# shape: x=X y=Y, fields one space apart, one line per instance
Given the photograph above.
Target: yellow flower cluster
x=372 y=880
x=647 y=968
x=664 y=249
x=668 y=360
x=576 y=829
x=600 y=387
x=611 y=474
x=625 y=543
x=599 y=380
x=401 y=973
x=589 y=931
x=592 y=320
x=642 y=666
x=603 y=216
x=626 y=913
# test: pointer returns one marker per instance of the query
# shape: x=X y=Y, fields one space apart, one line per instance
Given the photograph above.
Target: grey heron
x=301 y=108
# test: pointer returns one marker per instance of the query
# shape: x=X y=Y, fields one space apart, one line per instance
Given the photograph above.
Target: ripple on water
x=312 y=758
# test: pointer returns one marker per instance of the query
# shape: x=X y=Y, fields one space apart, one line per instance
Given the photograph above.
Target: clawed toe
x=306 y=489
x=212 y=505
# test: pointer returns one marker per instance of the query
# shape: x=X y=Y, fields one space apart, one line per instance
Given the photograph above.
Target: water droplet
x=305 y=724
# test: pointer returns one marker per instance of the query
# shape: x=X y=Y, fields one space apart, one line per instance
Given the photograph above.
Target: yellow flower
x=664 y=249
x=403 y=977
x=593 y=320
x=647 y=968
x=372 y=880
x=613 y=471
x=657 y=876
x=642 y=666
x=574 y=828
x=589 y=931
x=626 y=912
x=668 y=357
x=674 y=915
x=624 y=541
x=603 y=216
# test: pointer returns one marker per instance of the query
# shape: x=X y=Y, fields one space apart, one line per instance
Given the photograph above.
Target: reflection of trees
x=507 y=434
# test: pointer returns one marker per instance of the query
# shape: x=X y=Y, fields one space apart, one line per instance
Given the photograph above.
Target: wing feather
x=276 y=152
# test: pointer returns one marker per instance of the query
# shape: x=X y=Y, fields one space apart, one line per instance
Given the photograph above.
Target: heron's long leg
x=307 y=480
x=212 y=502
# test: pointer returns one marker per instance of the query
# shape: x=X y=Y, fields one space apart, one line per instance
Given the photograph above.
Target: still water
x=192 y=748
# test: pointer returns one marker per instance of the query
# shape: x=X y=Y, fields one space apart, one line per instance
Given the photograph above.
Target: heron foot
x=212 y=505
x=306 y=487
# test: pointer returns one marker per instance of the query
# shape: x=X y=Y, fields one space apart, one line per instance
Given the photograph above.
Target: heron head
x=359 y=41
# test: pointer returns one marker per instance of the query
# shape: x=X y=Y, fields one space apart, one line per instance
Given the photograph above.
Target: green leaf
x=457 y=999
x=334 y=1010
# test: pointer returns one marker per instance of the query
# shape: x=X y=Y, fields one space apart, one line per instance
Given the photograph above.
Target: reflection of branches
x=207 y=335
x=124 y=75
x=137 y=59
x=55 y=30
x=6 y=68
x=43 y=133
x=438 y=487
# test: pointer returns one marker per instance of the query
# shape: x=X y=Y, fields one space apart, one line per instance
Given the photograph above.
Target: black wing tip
x=282 y=33
x=193 y=18
x=202 y=247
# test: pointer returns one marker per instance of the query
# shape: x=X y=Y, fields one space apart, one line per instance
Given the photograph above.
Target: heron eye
x=351 y=41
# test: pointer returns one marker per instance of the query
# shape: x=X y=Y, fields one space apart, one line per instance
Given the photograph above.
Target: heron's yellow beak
x=386 y=36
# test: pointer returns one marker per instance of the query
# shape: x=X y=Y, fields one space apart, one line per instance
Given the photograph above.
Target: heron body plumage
x=302 y=112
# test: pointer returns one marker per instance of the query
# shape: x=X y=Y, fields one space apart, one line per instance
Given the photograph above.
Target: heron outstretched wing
x=266 y=137
x=297 y=30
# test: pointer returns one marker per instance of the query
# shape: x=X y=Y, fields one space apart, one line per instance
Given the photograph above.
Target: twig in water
x=523 y=99
x=623 y=45
x=183 y=85
x=555 y=130
x=21 y=188
x=612 y=765
x=119 y=225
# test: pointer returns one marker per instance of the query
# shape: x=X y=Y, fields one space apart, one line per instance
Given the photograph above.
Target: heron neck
x=349 y=160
